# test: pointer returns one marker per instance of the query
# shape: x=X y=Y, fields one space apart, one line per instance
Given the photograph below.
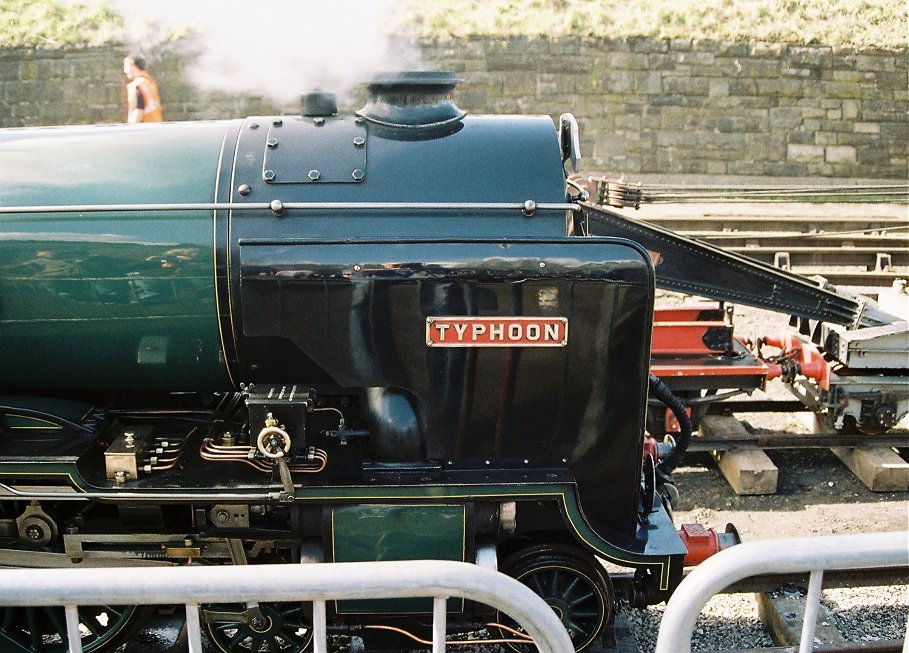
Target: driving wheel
x=283 y=628
x=572 y=583
x=43 y=629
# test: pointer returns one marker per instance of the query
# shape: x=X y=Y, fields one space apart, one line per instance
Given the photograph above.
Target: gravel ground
x=816 y=495
x=731 y=620
x=727 y=621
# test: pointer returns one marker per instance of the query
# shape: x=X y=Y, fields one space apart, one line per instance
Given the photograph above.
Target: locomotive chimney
x=318 y=103
x=412 y=100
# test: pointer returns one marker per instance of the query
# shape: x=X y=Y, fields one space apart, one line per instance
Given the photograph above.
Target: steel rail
x=857 y=279
x=858 y=238
x=797 y=441
x=767 y=188
x=291 y=206
x=699 y=198
x=758 y=406
x=814 y=555
x=635 y=194
x=623 y=582
x=808 y=226
x=316 y=583
x=817 y=254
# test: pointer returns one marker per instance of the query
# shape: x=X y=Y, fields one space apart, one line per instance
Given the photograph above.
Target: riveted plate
x=315 y=151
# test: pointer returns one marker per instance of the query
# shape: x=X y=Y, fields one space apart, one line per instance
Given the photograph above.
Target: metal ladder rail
x=317 y=583
x=788 y=555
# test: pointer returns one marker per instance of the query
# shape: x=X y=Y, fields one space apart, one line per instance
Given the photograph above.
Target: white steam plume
x=276 y=48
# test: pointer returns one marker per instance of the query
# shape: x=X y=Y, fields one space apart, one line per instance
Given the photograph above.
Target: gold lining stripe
x=55 y=427
x=228 y=249
x=214 y=230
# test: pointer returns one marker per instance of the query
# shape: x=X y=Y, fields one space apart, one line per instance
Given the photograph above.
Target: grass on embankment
x=873 y=23
x=54 y=24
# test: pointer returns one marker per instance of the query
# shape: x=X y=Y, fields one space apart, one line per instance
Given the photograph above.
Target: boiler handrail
x=788 y=555
x=318 y=583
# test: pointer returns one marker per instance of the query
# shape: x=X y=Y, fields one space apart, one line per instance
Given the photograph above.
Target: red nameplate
x=496 y=331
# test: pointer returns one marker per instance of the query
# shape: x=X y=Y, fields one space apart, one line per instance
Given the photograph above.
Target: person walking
x=142 y=95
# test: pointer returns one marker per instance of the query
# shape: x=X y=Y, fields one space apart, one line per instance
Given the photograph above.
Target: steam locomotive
x=320 y=338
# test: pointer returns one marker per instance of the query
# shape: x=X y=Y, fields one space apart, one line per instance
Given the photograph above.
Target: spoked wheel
x=43 y=630
x=286 y=629
x=571 y=582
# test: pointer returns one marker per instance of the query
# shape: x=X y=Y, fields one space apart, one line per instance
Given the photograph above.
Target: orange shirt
x=143 y=100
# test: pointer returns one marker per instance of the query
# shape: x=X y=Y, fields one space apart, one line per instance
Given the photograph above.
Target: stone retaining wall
x=644 y=105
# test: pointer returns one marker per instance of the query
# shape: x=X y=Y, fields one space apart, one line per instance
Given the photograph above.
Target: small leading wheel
x=43 y=630
x=285 y=629
x=572 y=583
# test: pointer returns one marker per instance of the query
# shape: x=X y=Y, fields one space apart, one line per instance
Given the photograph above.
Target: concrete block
x=839 y=154
x=781 y=87
x=804 y=152
x=846 y=90
x=642 y=44
x=685 y=85
x=808 y=55
x=772 y=50
x=718 y=88
x=850 y=109
x=892 y=80
x=783 y=612
x=732 y=49
x=847 y=76
x=895 y=130
x=660 y=62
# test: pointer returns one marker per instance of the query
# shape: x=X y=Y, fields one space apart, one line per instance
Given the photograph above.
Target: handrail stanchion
x=193 y=628
x=319 y=627
x=73 y=634
x=439 y=623
x=812 y=605
x=906 y=638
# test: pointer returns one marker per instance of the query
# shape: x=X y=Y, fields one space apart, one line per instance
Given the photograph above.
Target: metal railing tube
x=785 y=556
x=437 y=579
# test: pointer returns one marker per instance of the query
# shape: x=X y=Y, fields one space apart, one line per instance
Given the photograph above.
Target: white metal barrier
x=318 y=583
x=784 y=556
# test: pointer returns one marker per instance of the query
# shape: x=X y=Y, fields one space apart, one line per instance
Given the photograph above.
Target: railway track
x=854 y=245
